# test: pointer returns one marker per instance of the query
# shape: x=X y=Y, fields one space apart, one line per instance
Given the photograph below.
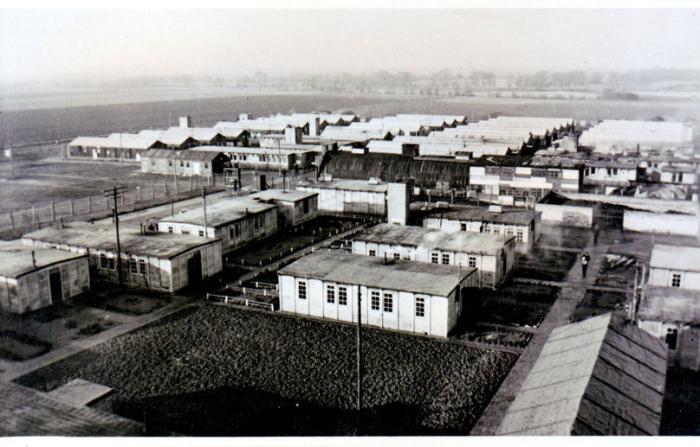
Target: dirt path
x=21 y=368
x=572 y=291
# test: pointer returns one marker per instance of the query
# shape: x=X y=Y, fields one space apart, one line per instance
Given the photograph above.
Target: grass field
x=544 y=264
x=443 y=387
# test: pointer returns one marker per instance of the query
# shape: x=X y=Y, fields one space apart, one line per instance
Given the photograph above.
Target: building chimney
x=186 y=121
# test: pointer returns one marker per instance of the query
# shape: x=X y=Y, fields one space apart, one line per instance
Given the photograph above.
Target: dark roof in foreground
x=509 y=216
x=600 y=376
x=407 y=276
x=27 y=412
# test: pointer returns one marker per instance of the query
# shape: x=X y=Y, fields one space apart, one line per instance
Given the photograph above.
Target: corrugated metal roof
x=433 y=239
x=675 y=257
x=408 y=276
x=27 y=412
x=600 y=376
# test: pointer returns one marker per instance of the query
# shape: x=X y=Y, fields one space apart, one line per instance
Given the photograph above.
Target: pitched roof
x=27 y=412
x=408 y=276
x=345 y=185
x=675 y=257
x=463 y=241
x=293 y=195
x=600 y=376
x=344 y=133
x=117 y=140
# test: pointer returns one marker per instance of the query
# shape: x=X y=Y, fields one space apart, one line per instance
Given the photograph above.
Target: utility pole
x=359 y=352
x=116 y=193
x=204 y=208
x=279 y=158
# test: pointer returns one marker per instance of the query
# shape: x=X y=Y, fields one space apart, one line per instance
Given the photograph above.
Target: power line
x=116 y=193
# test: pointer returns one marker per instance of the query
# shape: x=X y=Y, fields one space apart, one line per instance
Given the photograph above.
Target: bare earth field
x=443 y=386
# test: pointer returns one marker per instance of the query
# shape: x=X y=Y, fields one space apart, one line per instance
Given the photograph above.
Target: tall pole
x=279 y=158
x=119 y=247
x=359 y=351
x=204 y=208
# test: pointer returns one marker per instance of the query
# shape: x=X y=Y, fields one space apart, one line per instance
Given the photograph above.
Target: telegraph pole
x=359 y=352
x=204 y=208
x=116 y=193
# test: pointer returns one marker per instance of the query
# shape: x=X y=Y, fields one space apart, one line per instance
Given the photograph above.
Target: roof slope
x=675 y=258
x=464 y=242
x=600 y=376
x=27 y=412
x=408 y=276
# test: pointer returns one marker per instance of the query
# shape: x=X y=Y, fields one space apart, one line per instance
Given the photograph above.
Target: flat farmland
x=437 y=387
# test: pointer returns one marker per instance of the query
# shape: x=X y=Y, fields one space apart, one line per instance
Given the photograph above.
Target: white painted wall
x=660 y=223
x=662 y=278
x=436 y=321
x=567 y=215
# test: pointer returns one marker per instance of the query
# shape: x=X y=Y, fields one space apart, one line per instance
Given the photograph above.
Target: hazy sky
x=59 y=44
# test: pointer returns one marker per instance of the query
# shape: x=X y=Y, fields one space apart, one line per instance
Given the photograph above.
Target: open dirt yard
x=440 y=387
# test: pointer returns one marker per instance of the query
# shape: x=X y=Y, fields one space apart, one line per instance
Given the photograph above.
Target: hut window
x=462 y=226
x=388 y=302
x=446 y=258
x=206 y=165
x=170 y=229
x=675 y=280
x=142 y=266
x=182 y=163
x=170 y=163
x=374 y=299
x=330 y=294
x=472 y=261
x=435 y=258
x=420 y=307
x=133 y=266
x=201 y=233
x=342 y=295
x=301 y=290
x=103 y=261
x=372 y=252
x=519 y=236
x=397 y=255
x=110 y=263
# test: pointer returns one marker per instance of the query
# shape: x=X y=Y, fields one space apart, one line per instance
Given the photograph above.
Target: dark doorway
x=194 y=269
x=55 y=283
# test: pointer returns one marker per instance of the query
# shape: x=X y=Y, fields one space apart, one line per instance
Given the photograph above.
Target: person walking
x=596 y=232
x=585 y=259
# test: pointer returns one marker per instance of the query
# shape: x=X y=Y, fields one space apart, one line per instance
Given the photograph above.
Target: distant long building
x=617 y=136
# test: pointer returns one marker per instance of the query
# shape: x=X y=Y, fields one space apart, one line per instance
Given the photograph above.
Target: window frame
x=330 y=293
x=676 y=276
x=420 y=307
x=342 y=295
x=301 y=287
x=388 y=304
x=375 y=299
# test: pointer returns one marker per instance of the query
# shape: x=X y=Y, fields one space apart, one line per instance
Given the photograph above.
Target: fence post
x=89 y=204
x=12 y=220
x=53 y=211
x=34 y=214
x=139 y=193
x=72 y=208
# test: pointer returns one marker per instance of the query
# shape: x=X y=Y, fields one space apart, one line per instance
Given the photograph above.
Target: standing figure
x=596 y=232
x=585 y=259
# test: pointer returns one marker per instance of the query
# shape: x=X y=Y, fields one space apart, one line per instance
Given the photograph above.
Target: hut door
x=194 y=269
x=55 y=283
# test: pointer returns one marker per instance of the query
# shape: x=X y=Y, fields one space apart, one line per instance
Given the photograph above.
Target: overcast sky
x=62 y=44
